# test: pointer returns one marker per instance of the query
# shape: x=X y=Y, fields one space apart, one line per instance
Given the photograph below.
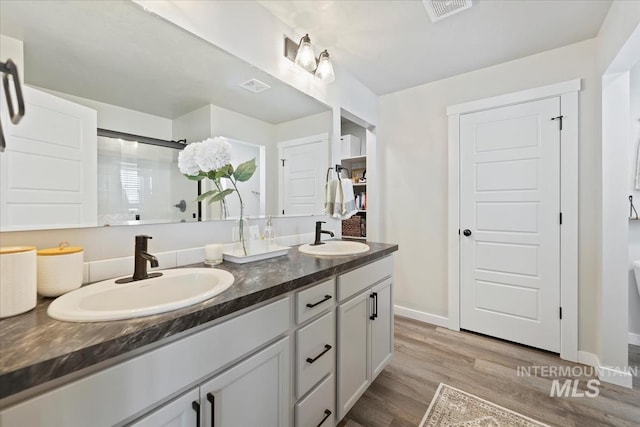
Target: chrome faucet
x=141 y=258
x=319 y=232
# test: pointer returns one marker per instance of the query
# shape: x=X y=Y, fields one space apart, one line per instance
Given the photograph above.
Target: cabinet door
x=353 y=378
x=252 y=393
x=381 y=328
x=181 y=412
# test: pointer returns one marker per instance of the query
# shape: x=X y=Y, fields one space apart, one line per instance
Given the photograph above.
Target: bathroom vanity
x=295 y=341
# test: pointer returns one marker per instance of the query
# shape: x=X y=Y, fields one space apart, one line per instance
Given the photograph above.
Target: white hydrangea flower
x=186 y=160
x=212 y=154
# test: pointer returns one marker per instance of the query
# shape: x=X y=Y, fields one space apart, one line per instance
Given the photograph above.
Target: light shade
x=325 y=68
x=305 y=56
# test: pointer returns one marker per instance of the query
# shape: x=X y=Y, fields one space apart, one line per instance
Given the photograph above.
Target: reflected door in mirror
x=303 y=168
x=49 y=166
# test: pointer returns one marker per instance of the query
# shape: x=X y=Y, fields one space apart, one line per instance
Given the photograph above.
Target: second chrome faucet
x=141 y=257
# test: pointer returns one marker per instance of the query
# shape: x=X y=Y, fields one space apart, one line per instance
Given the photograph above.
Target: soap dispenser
x=269 y=234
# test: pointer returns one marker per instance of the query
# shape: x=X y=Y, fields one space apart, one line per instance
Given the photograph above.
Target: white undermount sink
x=108 y=300
x=334 y=248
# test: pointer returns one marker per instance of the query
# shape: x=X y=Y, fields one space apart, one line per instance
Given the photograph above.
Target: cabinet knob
x=467 y=232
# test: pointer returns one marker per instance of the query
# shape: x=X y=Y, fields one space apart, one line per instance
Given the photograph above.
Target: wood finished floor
x=426 y=355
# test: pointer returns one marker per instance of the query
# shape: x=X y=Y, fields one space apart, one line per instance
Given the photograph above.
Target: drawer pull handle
x=196 y=407
x=326 y=298
x=212 y=399
x=327 y=413
x=327 y=347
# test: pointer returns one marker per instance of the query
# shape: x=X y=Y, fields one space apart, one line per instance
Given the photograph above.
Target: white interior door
x=303 y=166
x=510 y=203
x=48 y=170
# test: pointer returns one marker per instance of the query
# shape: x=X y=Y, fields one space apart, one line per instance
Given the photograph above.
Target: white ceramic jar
x=59 y=270
x=17 y=280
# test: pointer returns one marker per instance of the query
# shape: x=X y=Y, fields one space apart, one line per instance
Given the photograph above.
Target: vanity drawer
x=356 y=280
x=314 y=300
x=315 y=352
x=318 y=408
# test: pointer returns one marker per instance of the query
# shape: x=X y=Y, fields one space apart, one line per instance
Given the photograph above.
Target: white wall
x=13 y=49
x=193 y=126
x=634 y=226
x=413 y=134
x=119 y=119
x=618 y=47
x=314 y=124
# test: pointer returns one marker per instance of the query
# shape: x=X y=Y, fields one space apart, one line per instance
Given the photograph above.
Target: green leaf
x=224 y=172
x=195 y=177
x=245 y=170
x=206 y=195
x=221 y=195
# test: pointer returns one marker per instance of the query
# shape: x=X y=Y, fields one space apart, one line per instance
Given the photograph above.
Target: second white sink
x=108 y=300
x=334 y=248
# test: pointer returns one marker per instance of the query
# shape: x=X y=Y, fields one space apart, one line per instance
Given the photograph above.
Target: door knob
x=467 y=232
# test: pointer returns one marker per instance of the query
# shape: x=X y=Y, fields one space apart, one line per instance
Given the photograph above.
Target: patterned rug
x=453 y=407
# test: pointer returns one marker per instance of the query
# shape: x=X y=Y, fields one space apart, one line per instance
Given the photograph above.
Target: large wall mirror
x=112 y=94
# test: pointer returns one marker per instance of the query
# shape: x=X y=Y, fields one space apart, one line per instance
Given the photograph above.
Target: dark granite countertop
x=35 y=349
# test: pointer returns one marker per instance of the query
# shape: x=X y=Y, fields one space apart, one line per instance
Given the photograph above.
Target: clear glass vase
x=241 y=237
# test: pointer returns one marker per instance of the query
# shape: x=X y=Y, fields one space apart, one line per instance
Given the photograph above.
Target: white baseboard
x=605 y=373
x=587 y=358
x=421 y=316
x=634 y=338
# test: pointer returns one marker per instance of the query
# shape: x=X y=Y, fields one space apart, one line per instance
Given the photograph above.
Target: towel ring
x=338 y=169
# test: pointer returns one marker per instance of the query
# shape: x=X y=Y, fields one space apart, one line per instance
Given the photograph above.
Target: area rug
x=453 y=407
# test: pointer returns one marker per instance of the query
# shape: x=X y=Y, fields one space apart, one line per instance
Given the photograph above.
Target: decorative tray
x=258 y=250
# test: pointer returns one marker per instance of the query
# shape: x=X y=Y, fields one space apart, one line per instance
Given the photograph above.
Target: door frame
x=568 y=93
x=324 y=139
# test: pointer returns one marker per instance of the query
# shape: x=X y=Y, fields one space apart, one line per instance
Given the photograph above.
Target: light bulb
x=325 y=68
x=305 y=56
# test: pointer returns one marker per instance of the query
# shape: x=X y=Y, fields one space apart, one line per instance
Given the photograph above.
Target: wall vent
x=255 y=86
x=440 y=9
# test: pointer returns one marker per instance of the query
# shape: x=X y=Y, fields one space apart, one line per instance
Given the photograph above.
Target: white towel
x=340 y=201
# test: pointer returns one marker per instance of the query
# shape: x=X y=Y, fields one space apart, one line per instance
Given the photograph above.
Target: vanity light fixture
x=305 y=57
x=325 y=68
x=302 y=55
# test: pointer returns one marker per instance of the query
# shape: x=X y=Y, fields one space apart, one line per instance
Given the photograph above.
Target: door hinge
x=558 y=118
x=282 y=160
x=282 y=211
x=560 y=313
x=560 y=218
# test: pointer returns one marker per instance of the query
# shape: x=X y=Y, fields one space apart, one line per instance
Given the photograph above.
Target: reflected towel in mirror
x=339 y=199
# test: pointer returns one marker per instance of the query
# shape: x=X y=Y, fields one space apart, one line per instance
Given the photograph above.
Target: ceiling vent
x=440 y=9
x=255 y=86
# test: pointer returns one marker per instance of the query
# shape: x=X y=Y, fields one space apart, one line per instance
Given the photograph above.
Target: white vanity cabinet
x=125 y=392
x=252 y=393
x=181 y=412
x=303 y=360
x=365 y=330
